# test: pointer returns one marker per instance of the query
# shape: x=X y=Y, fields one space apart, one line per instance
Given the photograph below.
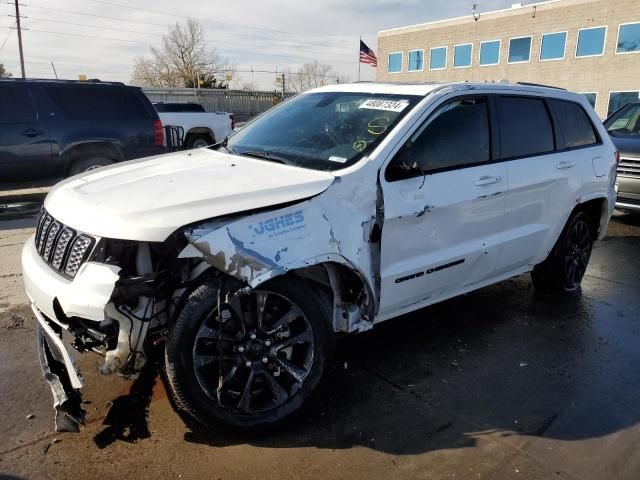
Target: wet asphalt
x=500 y=383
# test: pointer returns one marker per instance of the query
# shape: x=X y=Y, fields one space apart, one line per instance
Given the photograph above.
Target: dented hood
x=149 y=199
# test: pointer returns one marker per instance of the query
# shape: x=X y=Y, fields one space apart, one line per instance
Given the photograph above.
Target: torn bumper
x=59 y=370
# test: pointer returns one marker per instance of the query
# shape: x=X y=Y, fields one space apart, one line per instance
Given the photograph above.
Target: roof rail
x=55 y=80
x=529 y=84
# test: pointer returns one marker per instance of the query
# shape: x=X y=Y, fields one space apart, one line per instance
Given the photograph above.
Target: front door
x=443 y=208
x=25 y=148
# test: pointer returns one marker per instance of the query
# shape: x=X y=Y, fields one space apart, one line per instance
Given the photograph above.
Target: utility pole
x=20 y=38
x=283 y=89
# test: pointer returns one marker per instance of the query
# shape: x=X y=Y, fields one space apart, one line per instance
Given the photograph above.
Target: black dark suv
x=58 y=128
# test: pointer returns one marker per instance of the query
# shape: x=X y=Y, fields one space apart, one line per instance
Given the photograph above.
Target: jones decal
x=280 y=225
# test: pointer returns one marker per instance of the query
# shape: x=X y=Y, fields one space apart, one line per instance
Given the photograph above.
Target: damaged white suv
x=338 y=209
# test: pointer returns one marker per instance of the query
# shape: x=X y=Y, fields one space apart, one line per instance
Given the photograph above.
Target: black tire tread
x=180 y=396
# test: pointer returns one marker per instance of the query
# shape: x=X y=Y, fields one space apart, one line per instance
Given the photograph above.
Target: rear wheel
x=199 y=140
x=256 y=361
x=567 y=263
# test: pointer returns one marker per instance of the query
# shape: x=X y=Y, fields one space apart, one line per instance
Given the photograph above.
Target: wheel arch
x=79 y=151
x=598 y=210
x=200 y=131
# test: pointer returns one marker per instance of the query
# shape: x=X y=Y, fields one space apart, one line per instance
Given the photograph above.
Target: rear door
x=442 y=228
x=546 y=167
x=25 y=146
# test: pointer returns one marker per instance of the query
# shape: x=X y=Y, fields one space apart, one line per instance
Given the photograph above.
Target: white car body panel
x=149 y=199
x=219 y=123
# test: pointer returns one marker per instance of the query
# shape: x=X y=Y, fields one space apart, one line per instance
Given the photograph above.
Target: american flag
x=367 y=56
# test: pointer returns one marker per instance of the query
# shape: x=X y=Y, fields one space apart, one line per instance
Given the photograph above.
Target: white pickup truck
x=200 y=128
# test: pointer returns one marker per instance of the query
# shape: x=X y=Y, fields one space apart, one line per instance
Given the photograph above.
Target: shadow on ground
x=503 y=361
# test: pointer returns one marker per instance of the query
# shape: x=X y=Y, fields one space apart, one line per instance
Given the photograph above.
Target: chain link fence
x=245 y=105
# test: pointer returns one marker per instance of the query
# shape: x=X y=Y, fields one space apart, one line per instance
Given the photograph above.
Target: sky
x=102 y=38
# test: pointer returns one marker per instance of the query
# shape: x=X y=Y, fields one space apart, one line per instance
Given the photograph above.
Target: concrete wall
x=610 y=72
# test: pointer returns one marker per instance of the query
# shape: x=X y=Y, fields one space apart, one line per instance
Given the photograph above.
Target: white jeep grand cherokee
x=336 y=210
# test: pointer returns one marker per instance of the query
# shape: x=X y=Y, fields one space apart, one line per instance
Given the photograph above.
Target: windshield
x=322 y=131
x=626 y=122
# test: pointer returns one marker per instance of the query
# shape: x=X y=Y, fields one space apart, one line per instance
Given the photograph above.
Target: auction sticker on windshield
x=382 y=104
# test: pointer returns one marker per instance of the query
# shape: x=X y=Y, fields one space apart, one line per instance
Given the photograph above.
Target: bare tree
x=3 y=72
x=310 y=75
x=183 y=60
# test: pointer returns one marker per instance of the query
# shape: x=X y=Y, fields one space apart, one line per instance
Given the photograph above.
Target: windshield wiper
x=263 y=155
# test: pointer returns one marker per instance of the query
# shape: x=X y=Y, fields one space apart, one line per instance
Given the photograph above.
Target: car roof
x=424 y=89
x=66 y=82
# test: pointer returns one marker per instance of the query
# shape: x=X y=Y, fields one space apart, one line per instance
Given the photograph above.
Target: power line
x=169 y=14
x=125 y=30
x=75 y=12
x=91 y=26
x=88 y=36
x=6 y=38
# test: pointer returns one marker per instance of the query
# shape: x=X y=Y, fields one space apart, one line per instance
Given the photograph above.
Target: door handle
x=32 y=132
x=564 y=165
x=487 y=180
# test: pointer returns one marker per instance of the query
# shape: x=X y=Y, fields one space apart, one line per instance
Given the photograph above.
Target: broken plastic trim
x=67 y=400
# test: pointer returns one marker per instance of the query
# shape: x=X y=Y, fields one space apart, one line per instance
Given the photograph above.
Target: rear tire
x=564 y=268
x=87 y=164
x=198 y=140
x=246 y=369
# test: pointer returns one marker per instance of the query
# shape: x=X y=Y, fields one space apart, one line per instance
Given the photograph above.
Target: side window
x=455 y=135
x=92 y=103
x=525 y=127
x=16 y=105
x=574 y=124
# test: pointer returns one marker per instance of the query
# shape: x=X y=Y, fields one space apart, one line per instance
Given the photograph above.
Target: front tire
x=255 y=364
x=564 y=268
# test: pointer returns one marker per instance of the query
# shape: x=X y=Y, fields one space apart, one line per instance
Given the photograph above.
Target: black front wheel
x=248 y=360
x=567 y=263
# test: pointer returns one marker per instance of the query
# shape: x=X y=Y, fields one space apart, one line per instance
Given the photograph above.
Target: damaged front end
x=120 y=300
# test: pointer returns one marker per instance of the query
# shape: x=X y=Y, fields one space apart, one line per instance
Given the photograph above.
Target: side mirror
x=404 y=166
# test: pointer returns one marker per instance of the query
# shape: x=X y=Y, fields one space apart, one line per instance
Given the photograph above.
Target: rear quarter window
x=97 y=102
x=525 y=127
x=16 y=105
x=573 y=124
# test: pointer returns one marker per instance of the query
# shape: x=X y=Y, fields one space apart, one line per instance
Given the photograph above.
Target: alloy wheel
x=256 y=354
x=578 y=252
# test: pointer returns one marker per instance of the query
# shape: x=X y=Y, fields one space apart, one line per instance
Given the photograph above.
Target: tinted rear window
x=178 y=107
x=16 y=105
x=575 y=127
x=97 y=102
x=525 y=127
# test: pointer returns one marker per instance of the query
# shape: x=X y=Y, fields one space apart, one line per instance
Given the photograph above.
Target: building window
x=462 y=55
x=591 y=42
x=395 y=62
x=490 y=52
x=619 y=99
x=628 y=38
x=438 y=58
x=416 y=60
x=553 y=46
x=591 y=97
x=519 y=49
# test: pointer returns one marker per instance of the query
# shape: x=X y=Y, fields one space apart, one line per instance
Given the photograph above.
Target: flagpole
x=359 y=44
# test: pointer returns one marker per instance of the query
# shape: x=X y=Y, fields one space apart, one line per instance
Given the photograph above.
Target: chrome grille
x=629 y=167
x=61 y=247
